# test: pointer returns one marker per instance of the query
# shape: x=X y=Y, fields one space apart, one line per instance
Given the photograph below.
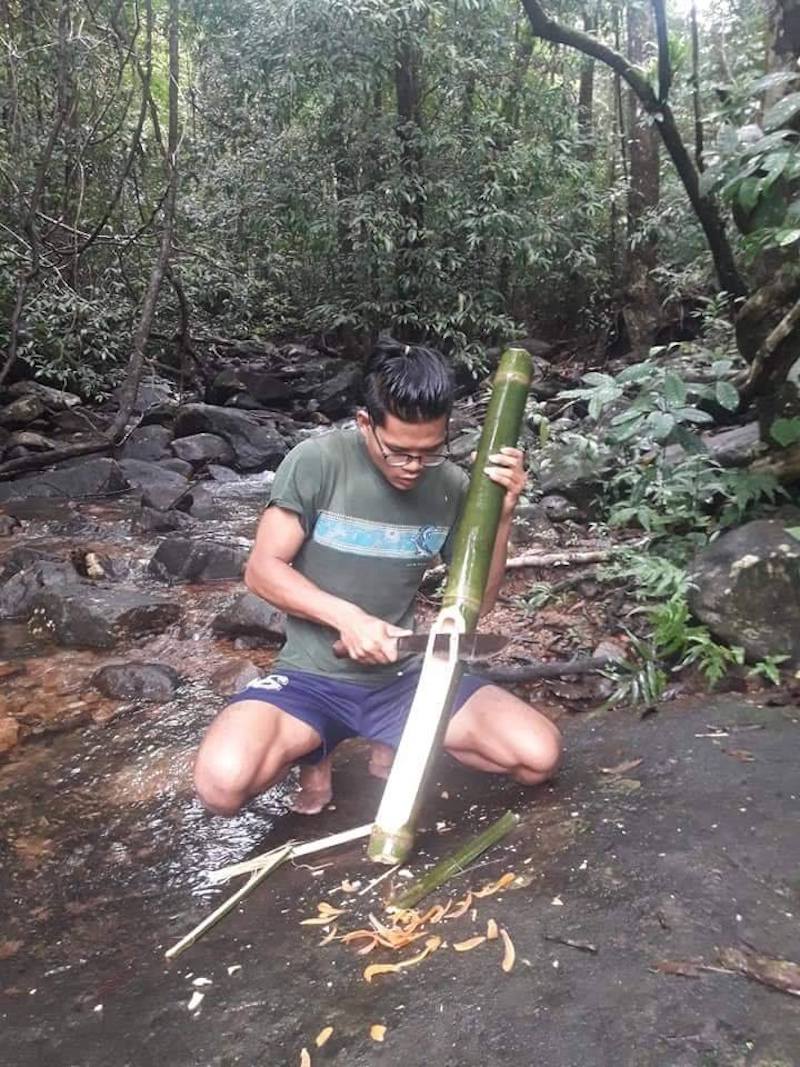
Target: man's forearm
x=287 y=589
x=497 y=567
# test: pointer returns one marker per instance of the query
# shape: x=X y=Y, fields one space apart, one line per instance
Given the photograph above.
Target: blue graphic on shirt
x=362 y=537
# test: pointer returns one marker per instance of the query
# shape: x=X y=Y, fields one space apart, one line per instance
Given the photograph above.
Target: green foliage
x=768 y=669
x=785 y=431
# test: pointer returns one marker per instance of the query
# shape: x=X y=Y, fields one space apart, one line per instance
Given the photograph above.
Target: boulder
x=30 y=441
x=233 y=677
x=53 y=399
x=180 y=466
x=137 y=681
x=200 y=504
x=98 y=617
x=747 y=589
x=149 y=443
x=222 y=474
x=78 y=481
x=178 y=559
x=160 y=487
x=8 y=524
x=338 y=393
x=247 y=615
x=256 y=446
x=21 y=411
x=151 y=392
x=557 y=508
x=9 y=733
x=200 y=448
x=22 y=586
x=574 y=470
x=263 y=388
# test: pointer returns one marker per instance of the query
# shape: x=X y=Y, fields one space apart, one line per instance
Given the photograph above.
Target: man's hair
x=411 y=382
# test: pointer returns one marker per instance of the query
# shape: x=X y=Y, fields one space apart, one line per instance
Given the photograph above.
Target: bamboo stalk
x=477 y=526
x=457 y=861
x=393 y=834
x=304 y=848
x=280 y=856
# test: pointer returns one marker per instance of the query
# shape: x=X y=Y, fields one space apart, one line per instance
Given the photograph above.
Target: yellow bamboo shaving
x=305 y=1058
x=495 y=887
x=510 y=955
x=390 y=968
x=349 y=887
x=321 y=920
x=491 y=930
x=377 y=1032
x=323 y=1036
x=469 y=944
x=461 y=908
x=330 y=936
x=326 y=913
x=368 y=947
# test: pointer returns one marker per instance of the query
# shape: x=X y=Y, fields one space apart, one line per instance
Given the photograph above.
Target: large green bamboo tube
x=477 y=526
x=393 y=832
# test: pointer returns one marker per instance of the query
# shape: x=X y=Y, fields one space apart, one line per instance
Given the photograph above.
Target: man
x=354 y=519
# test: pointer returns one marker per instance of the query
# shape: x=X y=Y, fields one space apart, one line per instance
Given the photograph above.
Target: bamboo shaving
x=470 y=943
x=495 y=887
x=331 y=936
x=391 y=968
x=377 y=1032
x=510 y=954
x=305 y=1058
x=462 y=907
x=491 y=930
x=323 y=1036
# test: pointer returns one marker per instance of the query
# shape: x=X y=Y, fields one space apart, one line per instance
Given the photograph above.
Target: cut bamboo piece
x=255 y=878
x=393 y=834
x=457 y=862
x=304 y=848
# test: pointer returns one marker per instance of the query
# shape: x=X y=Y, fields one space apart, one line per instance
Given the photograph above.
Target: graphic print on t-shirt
x=363 y=537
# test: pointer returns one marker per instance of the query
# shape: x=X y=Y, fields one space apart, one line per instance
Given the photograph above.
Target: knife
x=470 y=646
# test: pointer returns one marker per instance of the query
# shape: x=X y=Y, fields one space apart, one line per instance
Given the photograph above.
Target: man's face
x=396 y=439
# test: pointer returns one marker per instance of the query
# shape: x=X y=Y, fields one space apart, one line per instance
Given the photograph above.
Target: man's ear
x=362 y=421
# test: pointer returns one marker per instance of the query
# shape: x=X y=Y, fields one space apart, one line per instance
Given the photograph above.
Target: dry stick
x=560 y=559
x=257 y=876
x=554 y=669
x=306 y=848
x=456 y=862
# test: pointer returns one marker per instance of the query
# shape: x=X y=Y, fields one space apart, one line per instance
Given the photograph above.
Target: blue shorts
x=338 y=710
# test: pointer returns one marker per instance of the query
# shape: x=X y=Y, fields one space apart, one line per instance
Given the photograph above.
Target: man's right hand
x=368 y=639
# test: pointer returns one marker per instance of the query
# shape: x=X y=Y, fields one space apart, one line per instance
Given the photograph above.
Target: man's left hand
x=507 y=468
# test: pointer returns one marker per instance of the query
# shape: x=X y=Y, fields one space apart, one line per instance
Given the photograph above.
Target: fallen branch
x=457 y=862
x=554 y=669
x=560 y=559
x=779 y=974
x=255 y=878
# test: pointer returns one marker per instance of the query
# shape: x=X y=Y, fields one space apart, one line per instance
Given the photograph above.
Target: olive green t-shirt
x=366 y=541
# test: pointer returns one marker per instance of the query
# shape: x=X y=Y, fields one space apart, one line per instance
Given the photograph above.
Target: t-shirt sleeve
x=299 y=483
x=462 y=485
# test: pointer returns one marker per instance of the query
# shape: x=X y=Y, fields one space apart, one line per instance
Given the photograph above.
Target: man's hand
x=370 y=640
x=507 y=468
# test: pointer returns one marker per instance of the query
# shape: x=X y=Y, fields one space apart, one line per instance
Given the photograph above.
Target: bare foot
x=381 y=758
x=315 y=790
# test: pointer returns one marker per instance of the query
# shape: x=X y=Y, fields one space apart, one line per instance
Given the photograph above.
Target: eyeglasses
x=403 y=459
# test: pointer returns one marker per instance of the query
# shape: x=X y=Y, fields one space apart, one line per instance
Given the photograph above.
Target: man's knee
x=541 y=758
x=221 y=779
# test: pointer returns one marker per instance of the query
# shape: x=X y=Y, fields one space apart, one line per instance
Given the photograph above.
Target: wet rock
x=80 y=420
x=150 y=521
x=149 y=443
x=199 y=448
x=21 y=411
x=151 y=392
x=178 y=559
x=261 y=387
x=531 y=523
x=137 y=681
x=78 y=481
x=222 y=474
x=9 y=733
x=96 y=617
x=256 y=446
x=200 y=504
x=180 y=466
x=19 y=592
x=54 y=399
x=160 y=487
x=247 y=615
x=8 y=524
x=233 y=677
x=747 y=589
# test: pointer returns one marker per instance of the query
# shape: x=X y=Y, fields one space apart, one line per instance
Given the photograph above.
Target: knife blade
x=470 y=646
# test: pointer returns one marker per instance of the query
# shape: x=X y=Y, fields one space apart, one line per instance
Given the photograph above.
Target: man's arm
x=507 y=469
x=269 y=574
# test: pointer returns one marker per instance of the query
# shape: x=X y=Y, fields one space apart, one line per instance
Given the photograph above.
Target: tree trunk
x=642 y=309
x=408 y=89
x=586 y=99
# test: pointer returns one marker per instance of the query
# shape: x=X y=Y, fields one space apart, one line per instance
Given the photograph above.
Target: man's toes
x=309 y=802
